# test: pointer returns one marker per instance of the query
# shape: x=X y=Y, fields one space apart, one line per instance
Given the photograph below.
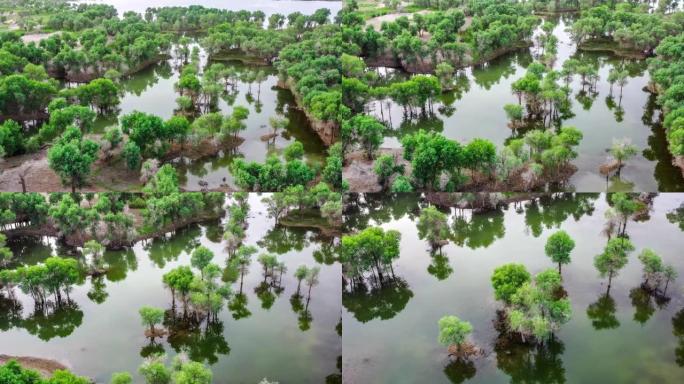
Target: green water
x=475 y=109
x=390 y=334
x=265 y=338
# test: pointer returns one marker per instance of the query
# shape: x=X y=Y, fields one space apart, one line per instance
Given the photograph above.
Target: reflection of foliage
x=678 y=331
x=617 y=184
x=383 y=302
x=550 y=211
x=52 y=321
x=98 y=292
x=458 y=371
x=304 y=320
x=238 y=307
x=481 y=231
x=119 y=263
x=361 y=209
x=162 y=249
x=264 y=293
x=531 y=363
x=499 y=68
x=152 y=348
x=602 y=313
x=326 y=254
x=335 y=378
x=439 y=267
x=200 y=343
x=676 y=216
x=10 y=313
x=643 y=304
x=281 y=239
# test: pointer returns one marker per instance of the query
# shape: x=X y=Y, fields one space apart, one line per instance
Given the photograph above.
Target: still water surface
x=475 y=109
x=390 y=335
x=266 y=338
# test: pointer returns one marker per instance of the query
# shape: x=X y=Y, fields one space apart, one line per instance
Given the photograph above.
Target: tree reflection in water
x=382 y=301
x=602 y=313
x=460 y=370
x=539 y=362
x=200 y=342
x=54 y=320
x=678 y=332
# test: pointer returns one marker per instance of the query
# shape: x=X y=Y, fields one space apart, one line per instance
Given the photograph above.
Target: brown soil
x=679 y=162
x=359 y=171
x=609 y=167
x=38 y=175
x=108 y=173
x=158 y=332
x=45 y=367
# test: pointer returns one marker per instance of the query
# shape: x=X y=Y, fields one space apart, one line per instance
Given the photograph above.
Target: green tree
x=179 y=280
x=5 y=253
x=453 y=332
x=294 y=151
x=621 y=151
x=154 y=371
x=507 y=279
x=613 y=258
x=201 y=257
x=192 y=372
x=150 y=317
x=384 y=167
x=71 y=157
x=433 y=227
x=121 y=378
x=401 y=185
x=300 y=274
x=371 y=250
x=558 y=247
x=365 y=130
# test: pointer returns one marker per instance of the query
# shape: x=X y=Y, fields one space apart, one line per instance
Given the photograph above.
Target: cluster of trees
x=274 y=175
x=78 y=16
x=55 y=278
x=499 y=25
x=296 y=199
x=544 y=98
x=249 y=38
x=203 y=294
x=25 y=93
x=367 y=256
x=438 y=162
x=103 y=217
x=198 y=18
x=534 y=308
x=154 y=371
x=167 y=206
x=12 y=372
x=631 y=26
x=666 y=73
x=422 y=41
